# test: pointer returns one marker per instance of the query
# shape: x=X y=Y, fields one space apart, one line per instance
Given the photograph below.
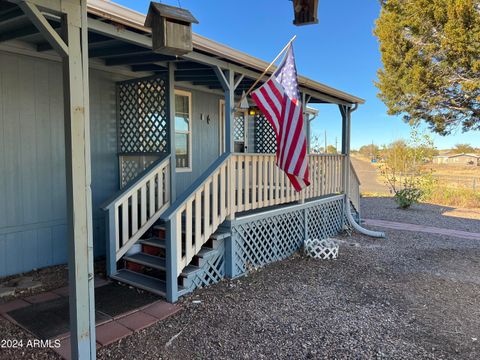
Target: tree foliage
x=371 y=151
x=463 y=149
x=403 y=168
x=431 y=62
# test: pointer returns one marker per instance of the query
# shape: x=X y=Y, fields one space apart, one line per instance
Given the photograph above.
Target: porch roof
x=118 y=37
x=128 y=17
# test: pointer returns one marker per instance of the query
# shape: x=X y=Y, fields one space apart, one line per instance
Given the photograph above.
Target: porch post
x=78 y=170
x=345 y=111
x=73 y=47
x=227 y=80
x=171 y=129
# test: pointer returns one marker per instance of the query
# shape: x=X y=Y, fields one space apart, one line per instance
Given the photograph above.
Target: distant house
x=458 y=159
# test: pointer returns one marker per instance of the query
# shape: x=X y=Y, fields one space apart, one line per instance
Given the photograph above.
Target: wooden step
x=155 y=262
x=154 y=241
x=205 y=252
x=189 y=270
x=220 y=234
x=141 y=281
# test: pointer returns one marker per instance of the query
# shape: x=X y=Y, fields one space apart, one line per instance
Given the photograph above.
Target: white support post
x=78 y=170
x=171 y=129
x=345 y=111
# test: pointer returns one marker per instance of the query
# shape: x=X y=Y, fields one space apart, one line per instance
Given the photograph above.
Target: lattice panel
x=263 y=241
x=265 y=138
x=212 y=270
x=133 y=165
x=239 y=128
x=272 y=238
x=143 y=115
x=325 y=220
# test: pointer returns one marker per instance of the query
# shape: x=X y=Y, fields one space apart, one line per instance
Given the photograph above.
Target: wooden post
x=73 y=47
x=344 y=110
x=171 y=259
x=171 y=129
x=227 y=79
x=78 y=170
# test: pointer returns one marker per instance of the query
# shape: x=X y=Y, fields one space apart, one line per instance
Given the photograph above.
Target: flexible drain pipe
x=351 y=220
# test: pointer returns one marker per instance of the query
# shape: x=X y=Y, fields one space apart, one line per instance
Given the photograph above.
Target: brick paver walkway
x=422 y=228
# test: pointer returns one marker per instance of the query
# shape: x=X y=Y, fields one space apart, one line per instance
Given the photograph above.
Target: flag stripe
x=279 y=100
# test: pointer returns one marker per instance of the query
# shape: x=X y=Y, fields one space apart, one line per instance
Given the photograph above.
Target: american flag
x=279 y=100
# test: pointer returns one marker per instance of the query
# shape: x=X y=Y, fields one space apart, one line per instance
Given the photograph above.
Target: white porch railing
x=354 y=188
x=236 y=183
x=260 y=183
x=137 y=208
x=194 y=217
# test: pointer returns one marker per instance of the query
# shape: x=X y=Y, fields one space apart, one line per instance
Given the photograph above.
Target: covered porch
x=175 y=167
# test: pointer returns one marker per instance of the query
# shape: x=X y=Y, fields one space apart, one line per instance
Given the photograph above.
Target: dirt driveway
x=367 y=173
x=411 y=296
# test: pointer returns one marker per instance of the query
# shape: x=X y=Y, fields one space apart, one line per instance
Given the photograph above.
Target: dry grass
x=450 y=196
x=457 y=171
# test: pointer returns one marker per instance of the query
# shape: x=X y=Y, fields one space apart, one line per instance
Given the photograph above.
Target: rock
x=6 y=291
x=29 y=285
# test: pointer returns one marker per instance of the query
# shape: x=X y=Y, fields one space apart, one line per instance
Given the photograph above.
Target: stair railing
x=135 y=209
x=194 y=217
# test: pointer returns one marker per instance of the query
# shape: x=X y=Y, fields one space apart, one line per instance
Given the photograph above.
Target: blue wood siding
x=32 y=161
x=205 y=136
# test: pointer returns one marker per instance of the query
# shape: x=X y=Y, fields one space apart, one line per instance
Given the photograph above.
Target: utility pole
x=336 y=144
x=326 y=145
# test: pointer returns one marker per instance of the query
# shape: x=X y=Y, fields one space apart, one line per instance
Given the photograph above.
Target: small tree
x=463 y=149
x=404 y=171
x=371 y=151
x=331 y=149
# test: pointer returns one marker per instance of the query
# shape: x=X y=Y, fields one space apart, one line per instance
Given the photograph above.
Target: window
x=183 y=130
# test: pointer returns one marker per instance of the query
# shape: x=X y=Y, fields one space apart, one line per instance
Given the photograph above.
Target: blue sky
x=340 y=51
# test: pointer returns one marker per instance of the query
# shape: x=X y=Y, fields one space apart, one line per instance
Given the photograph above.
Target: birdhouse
x=171 y=29
x=306 y=12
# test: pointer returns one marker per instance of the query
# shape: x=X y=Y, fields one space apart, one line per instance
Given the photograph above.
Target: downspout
x=350 y=219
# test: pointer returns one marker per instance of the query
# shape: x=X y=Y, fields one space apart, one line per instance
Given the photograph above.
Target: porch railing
x=236 y=183
x=260 y=183
x=354 y=188
x=196 y=215
x=137 y=208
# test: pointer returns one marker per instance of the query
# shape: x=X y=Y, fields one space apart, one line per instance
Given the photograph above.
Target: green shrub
x=407 y=197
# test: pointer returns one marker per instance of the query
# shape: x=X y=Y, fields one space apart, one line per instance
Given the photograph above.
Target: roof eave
x=128 y=17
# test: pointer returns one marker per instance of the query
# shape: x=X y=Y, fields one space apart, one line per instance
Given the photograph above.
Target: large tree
x=431 y=62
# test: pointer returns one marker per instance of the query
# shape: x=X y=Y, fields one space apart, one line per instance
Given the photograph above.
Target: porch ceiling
x=117 y=50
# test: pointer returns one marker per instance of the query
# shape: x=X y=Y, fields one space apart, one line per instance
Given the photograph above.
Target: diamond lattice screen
x=143 y=115
x=239 y=128
x=269 y=238
x=265 y=138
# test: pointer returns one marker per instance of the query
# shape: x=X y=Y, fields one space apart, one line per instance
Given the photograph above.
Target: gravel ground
x=384 y=208
x=411 y=296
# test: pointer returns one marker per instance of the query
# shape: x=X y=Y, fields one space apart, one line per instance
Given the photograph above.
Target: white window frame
x=189 y=132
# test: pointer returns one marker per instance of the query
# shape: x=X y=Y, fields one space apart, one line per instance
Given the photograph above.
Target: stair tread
x=141 y=281
x=217 y=235
x=220 y=234
x=205 y=251
x=154 y=241
x=189 y=269
x=147 y=260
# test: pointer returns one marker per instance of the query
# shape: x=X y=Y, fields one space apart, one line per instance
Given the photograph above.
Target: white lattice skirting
x=274 y=235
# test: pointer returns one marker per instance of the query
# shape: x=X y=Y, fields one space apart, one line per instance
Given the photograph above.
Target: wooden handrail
x=121 y=193
x=192 y=189
x=136 y=209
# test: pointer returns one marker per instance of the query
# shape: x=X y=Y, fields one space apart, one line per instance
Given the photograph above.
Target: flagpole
x=266 y=70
